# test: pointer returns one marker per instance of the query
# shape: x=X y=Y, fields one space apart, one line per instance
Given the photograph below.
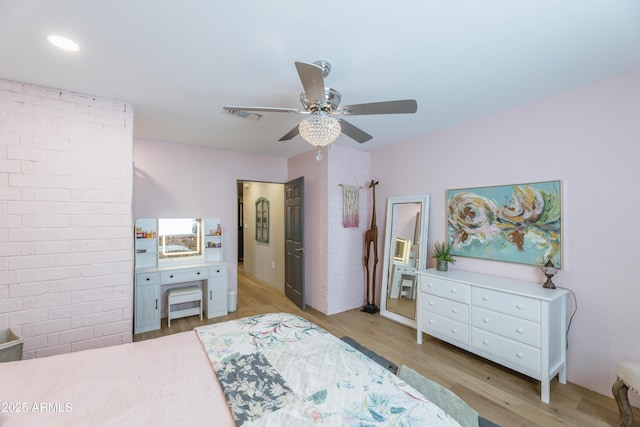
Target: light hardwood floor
x=402 y=306
x=497 y=393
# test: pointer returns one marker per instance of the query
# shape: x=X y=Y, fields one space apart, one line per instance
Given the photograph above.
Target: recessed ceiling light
x=63 y=43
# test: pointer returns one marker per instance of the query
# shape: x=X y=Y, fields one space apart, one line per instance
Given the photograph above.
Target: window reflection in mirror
x=179 y=237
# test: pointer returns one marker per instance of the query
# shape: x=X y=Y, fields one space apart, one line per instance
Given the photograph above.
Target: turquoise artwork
x=513 y=223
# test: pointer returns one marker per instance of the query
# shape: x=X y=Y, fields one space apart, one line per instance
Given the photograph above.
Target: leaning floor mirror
x=405 y=252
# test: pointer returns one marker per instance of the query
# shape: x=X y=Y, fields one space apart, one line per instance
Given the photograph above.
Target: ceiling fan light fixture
x=319 y=129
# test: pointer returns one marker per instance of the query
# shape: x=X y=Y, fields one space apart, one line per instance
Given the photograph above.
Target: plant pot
x=442 y=265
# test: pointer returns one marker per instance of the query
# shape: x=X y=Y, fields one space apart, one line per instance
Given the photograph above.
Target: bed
x=268 y=370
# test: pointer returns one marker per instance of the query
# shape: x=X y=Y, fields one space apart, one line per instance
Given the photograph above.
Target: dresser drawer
x=445 y=288
x=443 y=326
x=511 y=327
x=220 y=270
x=146 y=279
x=517 y=305
x=507 y=349
x=183 y=275
x=445 y=307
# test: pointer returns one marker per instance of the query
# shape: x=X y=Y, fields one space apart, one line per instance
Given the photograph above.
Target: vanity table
x=178 y=253
x=517 y=324
x=151 y=291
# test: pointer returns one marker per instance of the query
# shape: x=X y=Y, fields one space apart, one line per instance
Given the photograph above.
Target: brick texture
x=66 y=182
x=346 y=273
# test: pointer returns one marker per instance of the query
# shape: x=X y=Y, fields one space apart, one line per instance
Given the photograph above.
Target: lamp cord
x=575 y=310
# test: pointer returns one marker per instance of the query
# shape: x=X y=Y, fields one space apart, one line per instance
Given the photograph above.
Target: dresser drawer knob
x=520 y=306
x=519 y=330
x=520 y=355
x=431 y=322
x=147 y=279
x=171 y=276
x=485 y=298
x=454 y=310
x=454 y=330
x=198 y=273
x=453 y=291
x=431 y=303
x=485 y=342
x=485 y=320
x=429 y=285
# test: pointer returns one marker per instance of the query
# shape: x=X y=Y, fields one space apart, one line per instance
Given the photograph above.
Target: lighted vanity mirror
x=179 y=237
x=405 y=252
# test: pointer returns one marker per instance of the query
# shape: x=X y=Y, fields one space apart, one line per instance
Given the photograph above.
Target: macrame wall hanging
x=350 y=204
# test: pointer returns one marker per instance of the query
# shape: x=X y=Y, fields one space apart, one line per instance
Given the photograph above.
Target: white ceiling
x=179 y=62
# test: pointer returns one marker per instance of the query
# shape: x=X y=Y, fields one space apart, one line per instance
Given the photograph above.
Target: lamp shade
x=319 y=130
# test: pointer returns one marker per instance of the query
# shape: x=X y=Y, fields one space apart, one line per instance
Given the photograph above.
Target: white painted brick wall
x=346 y=281
x=66 y=183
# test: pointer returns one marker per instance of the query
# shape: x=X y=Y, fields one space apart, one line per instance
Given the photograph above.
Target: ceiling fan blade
x=290 y=135
x=353 y=132
x=405 y=106
x=312 y=81
x=262 y=109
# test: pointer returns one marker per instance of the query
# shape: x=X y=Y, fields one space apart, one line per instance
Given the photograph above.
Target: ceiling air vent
x=244 y=114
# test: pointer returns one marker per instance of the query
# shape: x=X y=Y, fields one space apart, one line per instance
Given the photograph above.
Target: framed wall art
x=513 y=223
x=262 y=220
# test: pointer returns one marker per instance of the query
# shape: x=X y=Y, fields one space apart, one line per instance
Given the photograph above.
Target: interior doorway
x=261 y=231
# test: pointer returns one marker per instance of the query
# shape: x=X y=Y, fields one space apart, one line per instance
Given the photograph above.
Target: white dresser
x=517 y=324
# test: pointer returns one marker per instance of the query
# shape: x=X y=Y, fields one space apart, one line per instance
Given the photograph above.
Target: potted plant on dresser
x=442 y=255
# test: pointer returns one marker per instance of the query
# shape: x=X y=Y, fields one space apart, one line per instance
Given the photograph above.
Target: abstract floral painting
x=513 y=223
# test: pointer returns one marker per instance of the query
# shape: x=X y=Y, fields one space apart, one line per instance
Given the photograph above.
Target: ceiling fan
x=322 y=105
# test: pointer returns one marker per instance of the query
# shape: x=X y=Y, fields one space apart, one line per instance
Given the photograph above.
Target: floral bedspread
x=282 y=370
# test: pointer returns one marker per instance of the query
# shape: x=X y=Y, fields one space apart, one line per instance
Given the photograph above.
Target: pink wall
x=179 y=180
x=588 y=138
x=66 y=258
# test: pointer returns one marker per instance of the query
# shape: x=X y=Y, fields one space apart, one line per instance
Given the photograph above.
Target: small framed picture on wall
x=262 y=220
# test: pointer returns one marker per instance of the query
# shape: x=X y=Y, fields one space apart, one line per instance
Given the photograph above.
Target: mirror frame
x=389 y=251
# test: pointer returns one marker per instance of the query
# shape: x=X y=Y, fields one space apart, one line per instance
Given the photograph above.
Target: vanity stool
x=180 y=295
x=628 y=378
